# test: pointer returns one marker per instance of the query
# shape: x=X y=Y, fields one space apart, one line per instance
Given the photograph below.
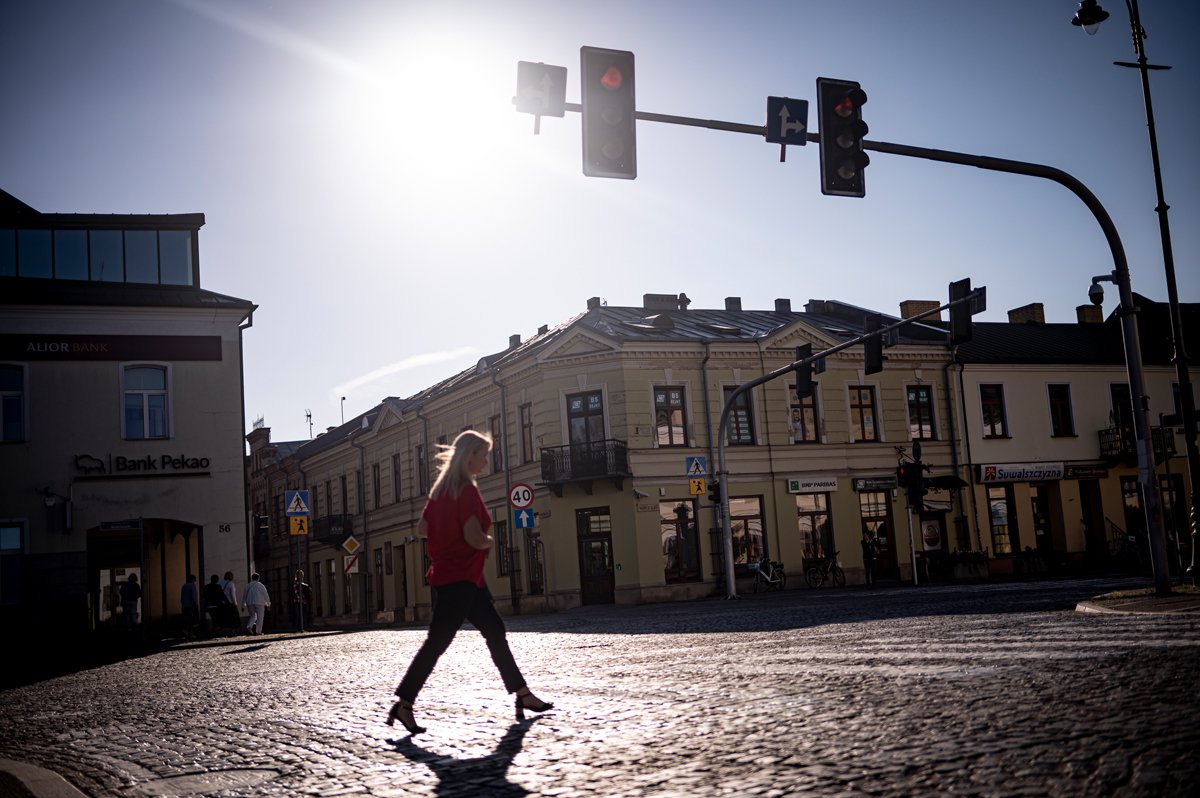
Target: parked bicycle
x=768 y=575
x=825 y=570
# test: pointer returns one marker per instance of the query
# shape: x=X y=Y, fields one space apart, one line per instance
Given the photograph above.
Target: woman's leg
x=450 y=605
x=483 y=616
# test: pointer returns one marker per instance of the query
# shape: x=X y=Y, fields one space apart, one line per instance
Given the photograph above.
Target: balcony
x=1118 y=445
x=583 y=463
x=333 y=529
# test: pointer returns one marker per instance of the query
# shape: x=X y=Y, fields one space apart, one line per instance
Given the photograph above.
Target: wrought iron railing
x=585 y=461
x=333 y=528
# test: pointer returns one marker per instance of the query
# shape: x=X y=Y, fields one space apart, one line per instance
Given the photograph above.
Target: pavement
x=23 y=780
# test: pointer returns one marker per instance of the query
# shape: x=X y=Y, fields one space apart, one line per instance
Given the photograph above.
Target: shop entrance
x=597 y=582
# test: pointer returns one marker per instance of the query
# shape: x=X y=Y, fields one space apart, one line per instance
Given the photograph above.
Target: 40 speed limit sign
x=521 y=496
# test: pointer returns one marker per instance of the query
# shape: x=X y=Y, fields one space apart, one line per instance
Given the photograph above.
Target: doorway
x=597 y=582
x=1092 y=507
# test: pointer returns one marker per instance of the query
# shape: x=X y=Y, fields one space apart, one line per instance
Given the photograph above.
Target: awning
x=945 y=482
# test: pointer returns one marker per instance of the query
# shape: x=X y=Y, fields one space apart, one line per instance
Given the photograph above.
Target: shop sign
x=865 y=484
x=812 y=485
x=23 y=346
x=119 y=464
x=1020 y=472
x=1085 y=472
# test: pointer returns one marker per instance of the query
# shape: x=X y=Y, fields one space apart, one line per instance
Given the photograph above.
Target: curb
x=22 y=780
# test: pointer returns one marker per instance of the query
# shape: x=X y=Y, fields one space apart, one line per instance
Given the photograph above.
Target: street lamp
x=1089 y=16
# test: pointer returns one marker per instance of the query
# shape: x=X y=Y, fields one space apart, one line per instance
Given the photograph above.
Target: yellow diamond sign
x=351 y=545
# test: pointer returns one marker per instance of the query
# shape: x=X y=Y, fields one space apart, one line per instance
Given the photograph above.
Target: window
x=141 y=256
x=34 y=257
x=387 y=557
x=175 y=257
x=395 y=478
x=1062 y=423
x=862 y=414
x=328 y=498
x=145 y=402
x=814 y=524
x=422 y=471
x=70 y=255
x=106 y=259
x=526 y=412
x=920 y=412
x=680 y=541
x=332 y=592
x=375 y=485
x=345 y=496
x=874 y=508
x=12 y=566
x=803 y=422
x=360 y=495
x=12 y=403
x=1003 y=520
x=740 y=430
x=991 y=403
x=497 y=445
x=585 y=417
x=503 y=547
x=8 y=253
x=670 y=421
x=746 y=526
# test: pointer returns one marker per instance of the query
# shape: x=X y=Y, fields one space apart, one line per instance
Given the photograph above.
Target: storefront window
x=746 y=523
x=815 y=525
x=680 y=541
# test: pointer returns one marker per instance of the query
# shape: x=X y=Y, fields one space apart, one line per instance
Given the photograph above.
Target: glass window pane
x=8 y=253
x=107 y=259
x=70 y=255
x=33 y=249
x=145 y=378
x=10 y=378
x=158 y=416
x=10 y=538
x=134 y=417
x=141 y=256
x=176 y=255
x=10 y=418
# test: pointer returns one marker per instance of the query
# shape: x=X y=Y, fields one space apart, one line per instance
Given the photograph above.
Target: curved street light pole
x=1090 y=15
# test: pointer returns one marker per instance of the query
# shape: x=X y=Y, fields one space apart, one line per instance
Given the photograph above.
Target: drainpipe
x=709 y=428
x=512 y=534
x=249 y=322
x=962 y=398
x=364 y=565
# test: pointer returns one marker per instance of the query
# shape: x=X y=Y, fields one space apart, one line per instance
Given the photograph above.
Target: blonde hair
x=452 y=462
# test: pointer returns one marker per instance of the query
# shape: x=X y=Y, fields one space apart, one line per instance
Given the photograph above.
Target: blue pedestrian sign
x=296 y=502
x=787 y=121
x=523 y=519
x=696 y=467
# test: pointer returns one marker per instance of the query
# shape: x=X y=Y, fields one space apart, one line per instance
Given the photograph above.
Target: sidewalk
x=1183 y=600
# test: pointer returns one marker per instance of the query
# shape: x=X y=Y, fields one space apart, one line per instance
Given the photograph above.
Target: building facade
x=122 y=452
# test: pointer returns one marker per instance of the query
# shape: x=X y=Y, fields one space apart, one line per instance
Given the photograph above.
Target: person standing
x=229 y=614
x=870 y=552
x=131 y=595
x=255 y=601
x=456 y=522
x=215 y=605
x=189 y=601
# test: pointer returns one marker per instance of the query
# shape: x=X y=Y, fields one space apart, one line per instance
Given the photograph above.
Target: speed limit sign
x=521 y=496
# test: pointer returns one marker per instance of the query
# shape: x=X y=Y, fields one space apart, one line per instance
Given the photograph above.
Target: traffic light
x=804 y=372
x=842 y=129
x=609 y=131
x=910 y=478
x=961 y=312
x=714 y=492
x=873 y=346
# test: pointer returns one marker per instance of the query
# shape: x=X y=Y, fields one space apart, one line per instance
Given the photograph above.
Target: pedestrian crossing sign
x=298 y=524
x=296 y=502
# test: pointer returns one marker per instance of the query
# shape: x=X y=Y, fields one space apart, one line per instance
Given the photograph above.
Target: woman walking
x=456 y=523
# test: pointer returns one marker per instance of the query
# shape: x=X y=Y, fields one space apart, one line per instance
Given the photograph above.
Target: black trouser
x=453 y=604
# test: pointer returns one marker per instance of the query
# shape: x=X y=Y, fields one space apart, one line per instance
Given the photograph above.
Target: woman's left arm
x=475 y=536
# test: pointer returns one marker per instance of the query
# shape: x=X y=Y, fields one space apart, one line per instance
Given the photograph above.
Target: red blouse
x=452 y=558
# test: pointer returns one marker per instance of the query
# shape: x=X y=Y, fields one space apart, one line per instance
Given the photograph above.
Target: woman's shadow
x=485 y=775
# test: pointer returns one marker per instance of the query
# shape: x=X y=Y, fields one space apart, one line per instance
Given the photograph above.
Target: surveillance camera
x=1096 y=294
x=637 y=494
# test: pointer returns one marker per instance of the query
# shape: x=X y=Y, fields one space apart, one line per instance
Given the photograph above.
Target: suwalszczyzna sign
x=1020 y=472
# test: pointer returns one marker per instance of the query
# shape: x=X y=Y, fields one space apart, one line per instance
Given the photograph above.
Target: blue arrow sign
x=787 y=121
x=523 y=519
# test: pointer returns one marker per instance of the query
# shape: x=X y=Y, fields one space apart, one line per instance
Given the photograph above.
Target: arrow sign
x=523 y=519
x=787 y=121
x=541 y=89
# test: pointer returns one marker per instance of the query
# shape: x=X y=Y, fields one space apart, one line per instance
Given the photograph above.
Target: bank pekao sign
x=1021 y=472
x=812 y=484
x=119 y=465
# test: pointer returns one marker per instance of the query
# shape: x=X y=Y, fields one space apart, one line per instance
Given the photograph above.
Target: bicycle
x=768 y=574
x=828 y=569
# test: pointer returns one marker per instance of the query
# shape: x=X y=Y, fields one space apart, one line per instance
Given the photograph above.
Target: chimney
x=733 y=303
x=911 y=307
x=783 y=306
x=684 y=301
x=593 y=303
x=543 y=329
x=514 y=341
x=660 y=302
x=1033 y=313
x=1089 y=314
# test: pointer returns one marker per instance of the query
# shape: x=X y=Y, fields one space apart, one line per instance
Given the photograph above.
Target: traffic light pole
x=790 y=370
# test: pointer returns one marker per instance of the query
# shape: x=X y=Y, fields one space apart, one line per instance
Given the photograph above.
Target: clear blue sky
x=368 y=183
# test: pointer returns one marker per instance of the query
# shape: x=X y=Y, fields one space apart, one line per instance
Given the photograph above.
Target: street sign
x=523 y=519
x=541 y=89
x=296 y=502
x=298 y=524
x=351 y=545
x=351 y=564
x=696 y=467
x=787 y=121
x=521 y=496
x=696 y=487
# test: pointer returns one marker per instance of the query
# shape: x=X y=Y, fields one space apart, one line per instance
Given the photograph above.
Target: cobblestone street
x=962 y=690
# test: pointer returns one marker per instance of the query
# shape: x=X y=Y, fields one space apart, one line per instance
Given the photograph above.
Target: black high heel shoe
x=402 y=711
x=527 y=700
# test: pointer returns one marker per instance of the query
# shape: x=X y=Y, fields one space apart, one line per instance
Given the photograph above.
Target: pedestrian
x=870 y=552
x=131 y=595
x=229 y=615
x=302 y=597
x=255 y=601
x=456 y=522
x=214 y=602
x=189 y=601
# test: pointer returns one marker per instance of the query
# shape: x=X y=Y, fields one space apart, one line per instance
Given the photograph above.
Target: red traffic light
x=612 y=79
